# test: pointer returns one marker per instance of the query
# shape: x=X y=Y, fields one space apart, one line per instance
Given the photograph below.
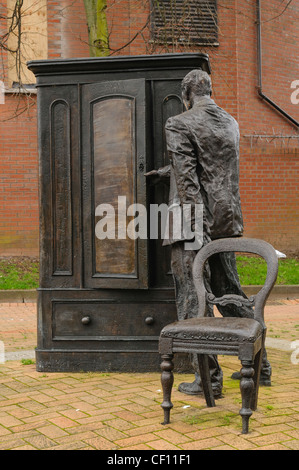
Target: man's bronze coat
x=203 y=145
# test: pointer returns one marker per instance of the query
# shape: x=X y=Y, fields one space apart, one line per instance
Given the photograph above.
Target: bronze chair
x=243 y=337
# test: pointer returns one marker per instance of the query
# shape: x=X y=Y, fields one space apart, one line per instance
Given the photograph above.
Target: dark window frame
x=202 y=31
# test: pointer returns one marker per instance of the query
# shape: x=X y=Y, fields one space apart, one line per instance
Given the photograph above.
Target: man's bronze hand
x=154 y=177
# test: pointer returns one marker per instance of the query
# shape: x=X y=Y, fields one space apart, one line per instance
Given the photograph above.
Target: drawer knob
x=86 y=320
x=149 y=320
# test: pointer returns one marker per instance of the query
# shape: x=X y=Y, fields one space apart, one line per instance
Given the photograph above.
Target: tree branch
x=280 y=14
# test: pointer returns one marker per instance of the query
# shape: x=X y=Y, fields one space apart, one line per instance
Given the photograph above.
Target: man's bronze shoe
x=195 y=389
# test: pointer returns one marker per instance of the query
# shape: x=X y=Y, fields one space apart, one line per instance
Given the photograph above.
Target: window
x=185 y=22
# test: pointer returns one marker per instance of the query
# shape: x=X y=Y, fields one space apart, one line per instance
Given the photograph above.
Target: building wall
x=19 y=212
x=268 y=165
x=18 y=170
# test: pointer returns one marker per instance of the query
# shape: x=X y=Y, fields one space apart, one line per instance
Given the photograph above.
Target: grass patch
x=19 y=273
x=23 y=272
x=221 y=418
x=252 y=271
x=27 y=362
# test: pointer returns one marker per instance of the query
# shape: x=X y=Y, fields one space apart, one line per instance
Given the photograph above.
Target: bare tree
x=14 y=27
x=169 y=25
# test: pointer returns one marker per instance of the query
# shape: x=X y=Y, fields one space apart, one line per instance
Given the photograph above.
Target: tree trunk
x=97 y=27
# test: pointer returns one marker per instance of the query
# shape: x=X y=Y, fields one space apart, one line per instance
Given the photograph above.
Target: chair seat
x=235 y=330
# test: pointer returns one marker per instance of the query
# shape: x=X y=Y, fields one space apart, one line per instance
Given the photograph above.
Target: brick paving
x=116 y=411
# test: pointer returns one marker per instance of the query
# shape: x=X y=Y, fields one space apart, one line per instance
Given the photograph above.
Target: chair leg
x=247 y=387
x=167 y=382
x=257 y=372
x=204 y=371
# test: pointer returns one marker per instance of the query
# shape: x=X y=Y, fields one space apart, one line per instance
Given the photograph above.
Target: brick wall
x=19 y=213
x=268 y=166
x=270 y=199
x=67 y=31
x=18 y=170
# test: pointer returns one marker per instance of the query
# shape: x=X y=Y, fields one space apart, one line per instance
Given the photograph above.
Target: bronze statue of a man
x=203 y=146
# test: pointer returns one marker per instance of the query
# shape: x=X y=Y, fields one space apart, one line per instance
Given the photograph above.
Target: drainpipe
x=260 y=69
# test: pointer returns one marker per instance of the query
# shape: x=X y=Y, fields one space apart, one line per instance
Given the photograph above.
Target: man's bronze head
x=196 y=83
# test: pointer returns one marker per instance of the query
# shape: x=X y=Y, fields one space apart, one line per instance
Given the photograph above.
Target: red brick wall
x=280 y=54
x=19 y=219
x=18 y=170
x=270 y=198
x=268 y=166
x=67 y=33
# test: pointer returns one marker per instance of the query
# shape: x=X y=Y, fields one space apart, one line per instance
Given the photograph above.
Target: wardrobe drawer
x=100 y=320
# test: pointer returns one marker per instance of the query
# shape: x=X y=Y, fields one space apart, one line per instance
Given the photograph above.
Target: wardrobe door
x=113 y=166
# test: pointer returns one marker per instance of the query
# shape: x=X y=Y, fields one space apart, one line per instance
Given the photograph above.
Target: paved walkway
x=89 y=411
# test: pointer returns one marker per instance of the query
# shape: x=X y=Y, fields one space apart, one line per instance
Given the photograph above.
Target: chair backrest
x=242 y=245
